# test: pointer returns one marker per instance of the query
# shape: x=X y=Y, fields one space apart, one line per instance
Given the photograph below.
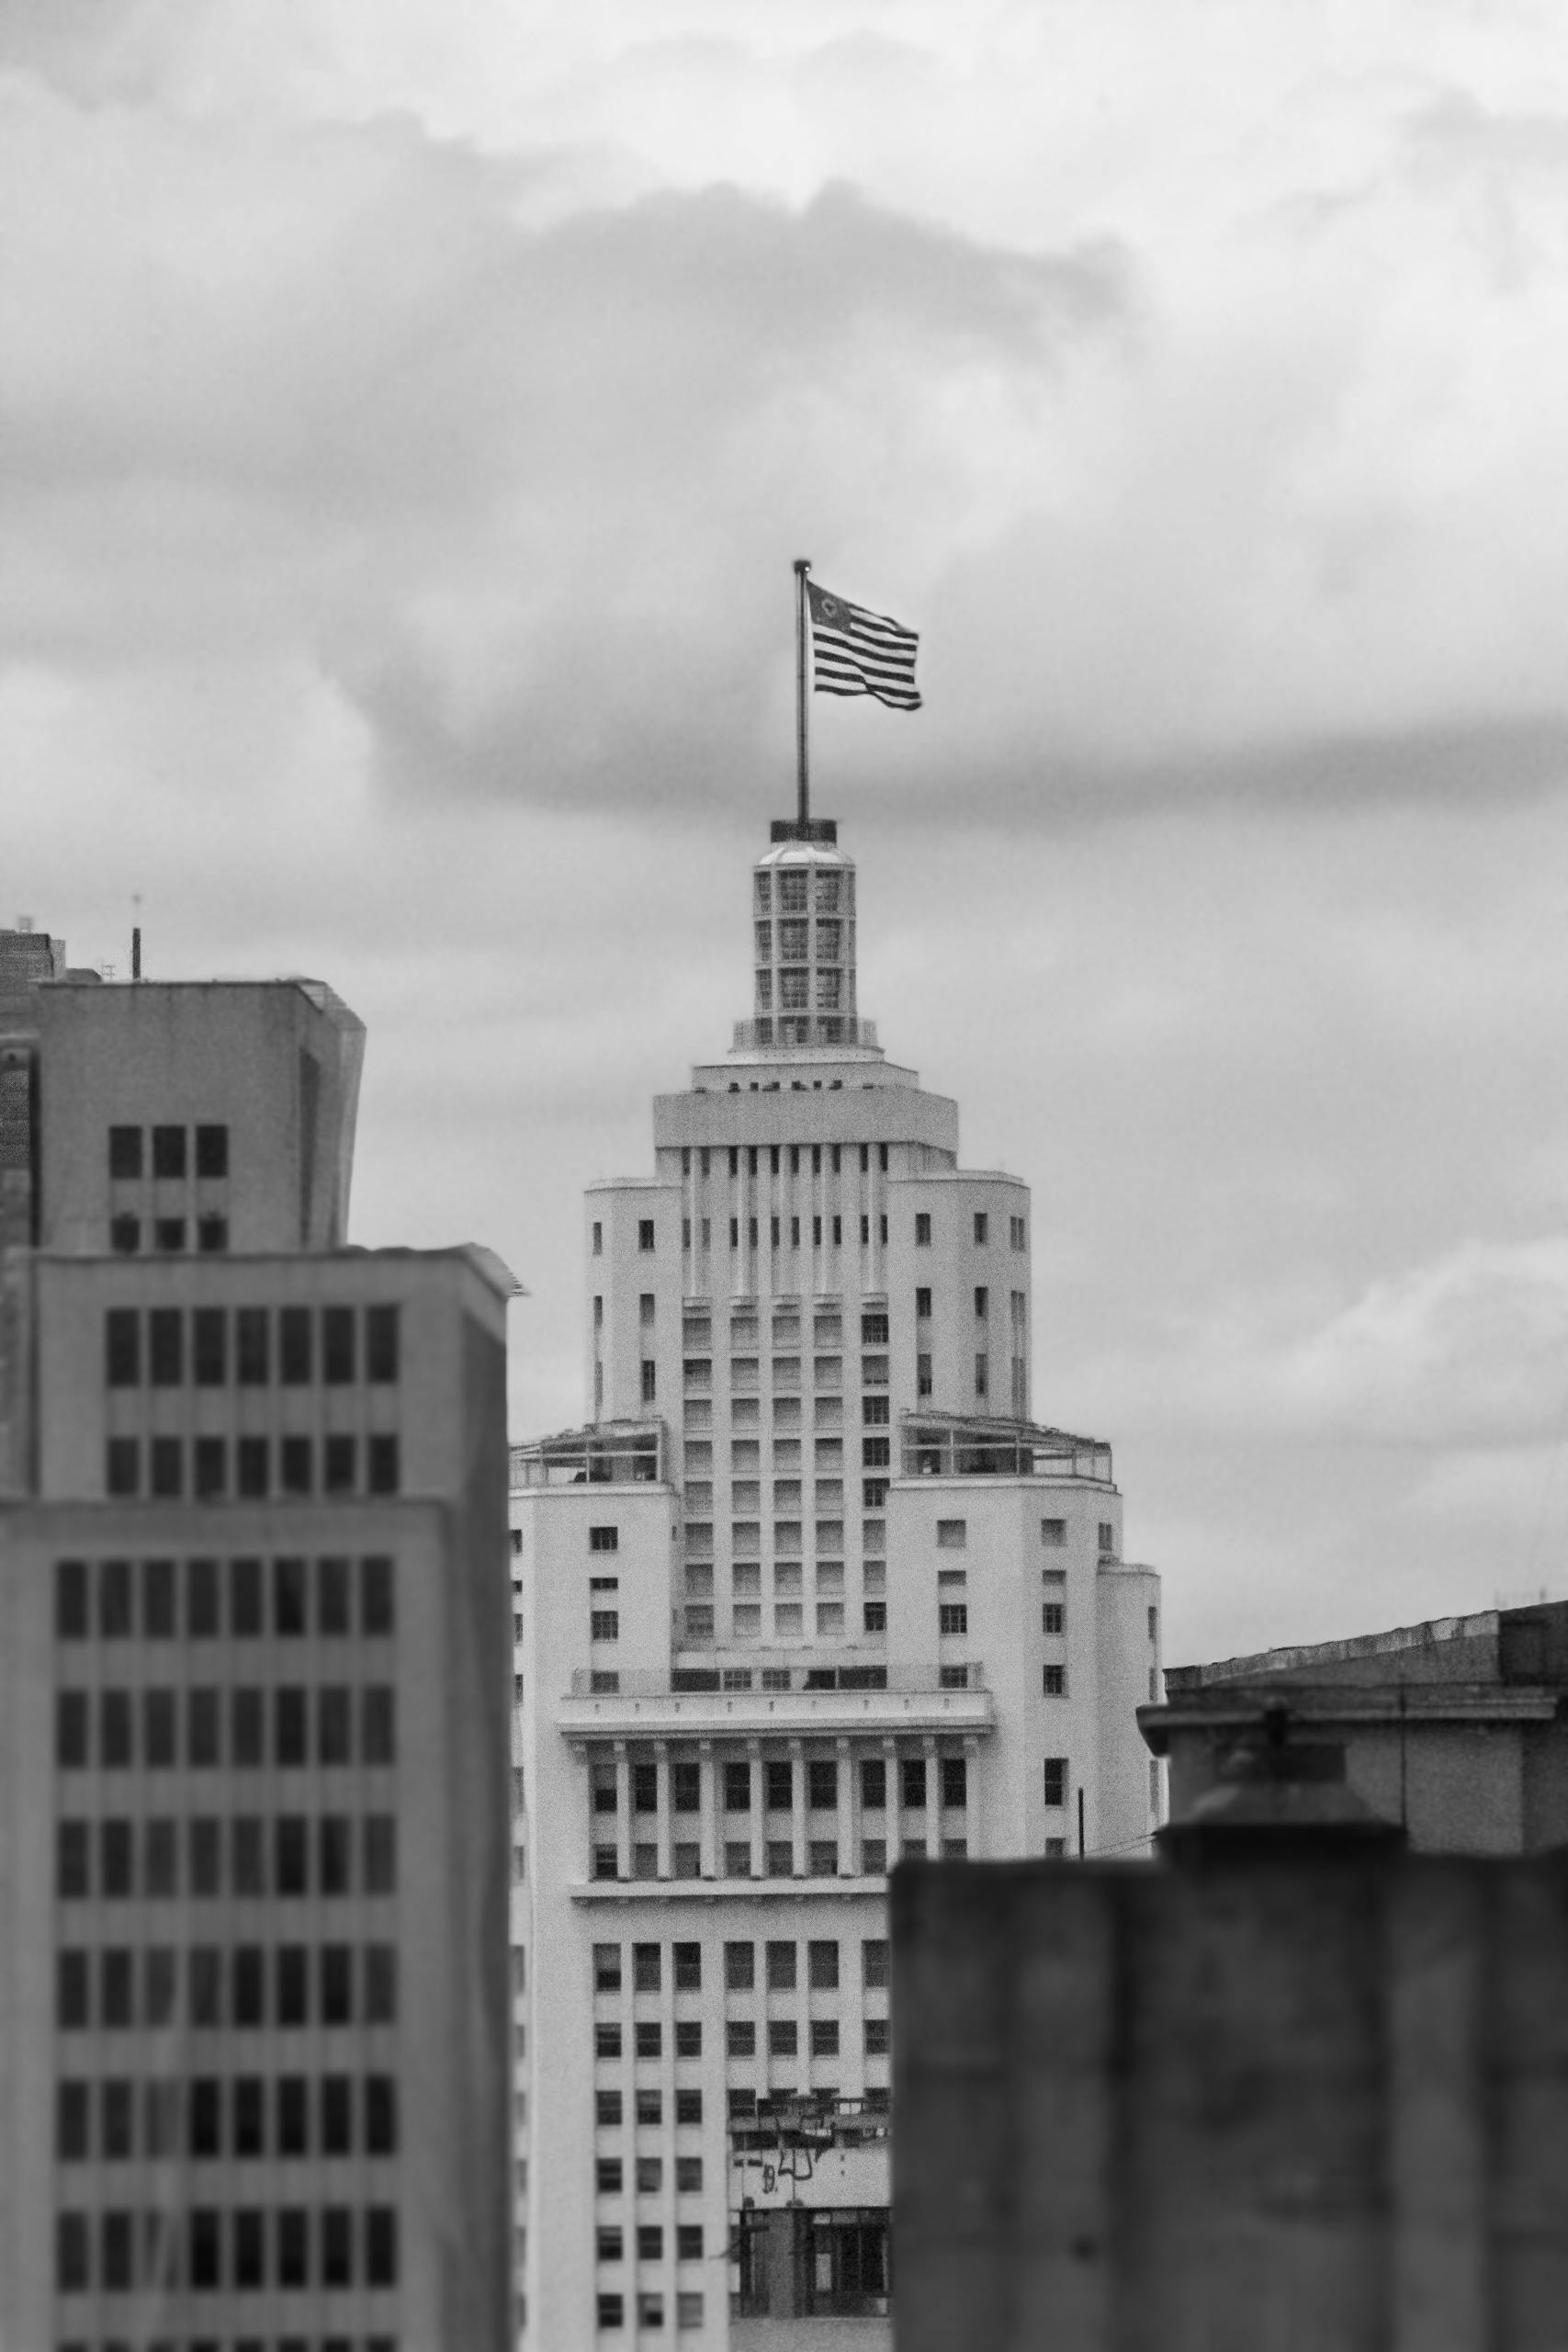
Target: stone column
x=849 y=1830
x=665 y=1805
x=623 y=1812
x=709 y=1860
x=797 y=1809
x=895 y=1810
x=757 y=1816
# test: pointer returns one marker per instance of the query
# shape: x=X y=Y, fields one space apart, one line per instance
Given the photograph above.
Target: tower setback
x=810 y=1592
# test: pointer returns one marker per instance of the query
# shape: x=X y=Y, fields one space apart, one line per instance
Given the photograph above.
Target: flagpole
x=803 y=771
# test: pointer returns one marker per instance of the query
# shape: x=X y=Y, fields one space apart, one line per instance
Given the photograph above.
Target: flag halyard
x=857 y=652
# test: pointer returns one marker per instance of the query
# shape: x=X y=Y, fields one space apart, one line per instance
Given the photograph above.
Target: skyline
x=414 y=418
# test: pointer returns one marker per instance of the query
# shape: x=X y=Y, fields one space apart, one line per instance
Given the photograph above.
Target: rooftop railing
x=956 y=1446
x=607 y=1454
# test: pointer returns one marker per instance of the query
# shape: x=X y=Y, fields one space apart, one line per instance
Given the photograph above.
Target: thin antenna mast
x=136 y=937
x=802 y=770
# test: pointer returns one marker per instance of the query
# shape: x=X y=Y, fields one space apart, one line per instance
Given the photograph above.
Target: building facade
x=253 y=1709
x=811 y=1592
x=1456 y=1729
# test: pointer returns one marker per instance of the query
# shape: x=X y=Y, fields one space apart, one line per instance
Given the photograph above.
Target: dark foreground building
x=1302 y=2096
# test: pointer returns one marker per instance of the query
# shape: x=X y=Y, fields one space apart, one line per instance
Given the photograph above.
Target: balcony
x=952 y=1445
x=740 y=1701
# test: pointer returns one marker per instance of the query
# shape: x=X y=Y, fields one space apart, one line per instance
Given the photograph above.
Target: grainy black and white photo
x=783 y=1176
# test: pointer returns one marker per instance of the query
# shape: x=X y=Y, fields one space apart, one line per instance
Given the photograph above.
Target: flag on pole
x=857 y=652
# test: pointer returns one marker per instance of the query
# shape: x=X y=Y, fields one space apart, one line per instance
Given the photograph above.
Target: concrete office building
x=254 y=1707
x=811 y=1591
x=1456 y=1728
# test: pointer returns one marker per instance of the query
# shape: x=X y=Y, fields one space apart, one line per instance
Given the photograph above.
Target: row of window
x=648 y=2174
x=208 y=1600
x=168 y=1235
x=827 y=1375
x=822 y=1228
x=745 y=1330
x=210 y=1346
x=605 y=1681
x=610 y=2311
x=794 y=890
x=739 y=2041
x=167 y=1469
x=176 y=1152
x=820 y=1785
x=782 y=1156
x=248 y=2342
x=116 y=1730
x=121 y=2118
x=251 y=1855
x=794 y=937
x=124 y=1987
x=820 y=1859
x=609 y=2108
x=781 y=1963
x=789 y=1623
x=610 y=2242
x=248 y=2249
x=1018 y=1237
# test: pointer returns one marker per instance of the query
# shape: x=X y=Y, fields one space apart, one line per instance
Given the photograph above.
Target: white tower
x=811 y=1594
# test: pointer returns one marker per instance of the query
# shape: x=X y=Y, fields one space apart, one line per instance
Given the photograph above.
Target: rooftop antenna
x=136 y=937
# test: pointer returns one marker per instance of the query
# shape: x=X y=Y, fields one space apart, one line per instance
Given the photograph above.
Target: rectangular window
x=954 y=1781
x=982 y=1230
x=294 y=1346
x=337 y=1345
x=169 y=1152
x=294 y=1466
x=606 y=1968
x=781 y=1967
x=645 y=1968
x=212 y=1152
x=824 y=2037
x=738 y=1788
x=252 y=1353
x=922 y=1230
x=1052 y=1617
x=1055 y=1780
x=739 y=1967
x=125 y=1153
x=383 y=1465
x=381 y=1834
x=377 y=1596
x=782 y=2037
x=604 y=1539
x=645 y=1233
x=688 y=1962
x=381 y=1344
x=123 y=1346
x=952 y=1617
x=598 y=1240
x=912 y=1782
x=604 y=1625
x=823 y=1968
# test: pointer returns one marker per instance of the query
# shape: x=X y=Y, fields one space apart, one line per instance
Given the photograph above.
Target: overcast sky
x=408 y=413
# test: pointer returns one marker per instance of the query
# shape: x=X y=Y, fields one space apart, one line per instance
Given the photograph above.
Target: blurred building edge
x=1457 y=1729
x=253 y=1698
x=1298 y=2087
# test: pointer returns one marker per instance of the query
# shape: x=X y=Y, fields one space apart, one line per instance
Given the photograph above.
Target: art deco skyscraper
x=810 y=1592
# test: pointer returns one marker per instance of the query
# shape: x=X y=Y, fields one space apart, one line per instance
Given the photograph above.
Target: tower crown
x=803 y=911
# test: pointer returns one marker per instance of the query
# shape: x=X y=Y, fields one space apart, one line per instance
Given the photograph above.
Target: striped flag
x=857 y=652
